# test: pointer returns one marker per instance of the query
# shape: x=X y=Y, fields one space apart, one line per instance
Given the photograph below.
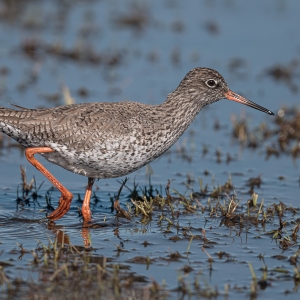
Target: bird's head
x=208 y=86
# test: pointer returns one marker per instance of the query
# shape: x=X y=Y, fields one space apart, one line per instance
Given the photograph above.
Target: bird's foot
x=63 y=207
x=85 y=210
x=86 y=213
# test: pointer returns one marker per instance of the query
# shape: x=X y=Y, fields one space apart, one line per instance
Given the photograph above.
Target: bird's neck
x=181 y=108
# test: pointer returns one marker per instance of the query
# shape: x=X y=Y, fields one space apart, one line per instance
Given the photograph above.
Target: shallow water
x=144 y=63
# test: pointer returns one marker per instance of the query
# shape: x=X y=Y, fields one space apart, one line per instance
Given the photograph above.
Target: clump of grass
x=282 y=138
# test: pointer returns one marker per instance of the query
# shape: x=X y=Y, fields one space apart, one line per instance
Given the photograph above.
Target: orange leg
x=86 y=212
x=66 y=197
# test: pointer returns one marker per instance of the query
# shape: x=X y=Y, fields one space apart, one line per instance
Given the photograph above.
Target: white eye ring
x=211 y=83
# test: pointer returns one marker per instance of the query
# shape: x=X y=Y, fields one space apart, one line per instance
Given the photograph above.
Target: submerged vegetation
x=59 y=268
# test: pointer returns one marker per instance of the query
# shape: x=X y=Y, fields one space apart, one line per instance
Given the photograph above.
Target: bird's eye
x=211 y=83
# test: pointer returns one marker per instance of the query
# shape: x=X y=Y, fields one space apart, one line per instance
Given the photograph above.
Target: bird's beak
x=230 y=95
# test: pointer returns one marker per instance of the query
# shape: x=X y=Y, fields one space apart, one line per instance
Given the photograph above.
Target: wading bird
x=106 y=140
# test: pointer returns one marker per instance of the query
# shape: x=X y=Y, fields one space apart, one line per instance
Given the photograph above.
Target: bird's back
x=71 y=125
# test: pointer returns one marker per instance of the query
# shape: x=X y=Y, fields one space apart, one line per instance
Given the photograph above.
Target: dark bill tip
x=230 y=95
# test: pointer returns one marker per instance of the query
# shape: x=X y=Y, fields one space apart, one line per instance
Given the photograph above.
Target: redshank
x=106 y=140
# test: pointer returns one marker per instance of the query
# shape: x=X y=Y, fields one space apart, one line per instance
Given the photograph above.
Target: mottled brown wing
x=89 y=125
x=80 y=124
